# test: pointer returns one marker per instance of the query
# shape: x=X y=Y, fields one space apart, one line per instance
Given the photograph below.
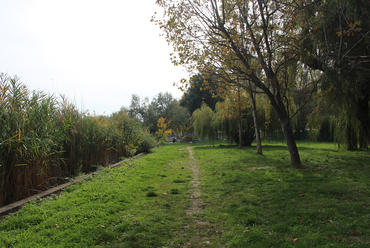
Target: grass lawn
x=247 y=200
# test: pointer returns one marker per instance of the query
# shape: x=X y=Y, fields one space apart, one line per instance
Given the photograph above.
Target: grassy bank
x=248 y=200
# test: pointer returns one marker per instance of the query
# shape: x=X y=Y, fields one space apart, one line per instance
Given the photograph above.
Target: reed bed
x=44 y=140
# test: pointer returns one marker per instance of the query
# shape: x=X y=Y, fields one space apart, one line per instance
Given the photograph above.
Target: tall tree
x=203 y=123
x=163 y=105
x=337 y=41
x=234 y=119
x=254 y=38
x=197 y=93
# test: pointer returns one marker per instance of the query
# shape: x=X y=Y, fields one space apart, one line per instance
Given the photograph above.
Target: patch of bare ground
x=200 y=228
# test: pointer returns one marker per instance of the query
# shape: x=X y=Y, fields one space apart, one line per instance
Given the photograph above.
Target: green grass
x=249 y=200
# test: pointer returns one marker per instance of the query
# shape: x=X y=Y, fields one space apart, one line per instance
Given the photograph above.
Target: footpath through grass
x=247 y=200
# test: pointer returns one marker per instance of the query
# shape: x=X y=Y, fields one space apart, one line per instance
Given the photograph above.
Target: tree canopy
x=256 y=41
x=197 y=93
x=163 y=105
x=337 y=41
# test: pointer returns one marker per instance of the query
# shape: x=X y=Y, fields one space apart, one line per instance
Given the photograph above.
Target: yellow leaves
x=162 y=131
x=353 y=28
x=358 y=22
x=162 y=123
x=20 y=164
x=340 y=33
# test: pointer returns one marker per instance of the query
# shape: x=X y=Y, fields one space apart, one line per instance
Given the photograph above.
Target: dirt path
x=196 y=207
x=196 y=201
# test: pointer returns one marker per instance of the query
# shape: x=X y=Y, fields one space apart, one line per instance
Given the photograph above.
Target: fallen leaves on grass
x=301 y=220
x=301 y=194
x=355 y=232
x=292 y=239
x=137 y=223
x=246 y=229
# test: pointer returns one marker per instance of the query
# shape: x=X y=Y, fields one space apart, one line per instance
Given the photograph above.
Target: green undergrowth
x=249 y=200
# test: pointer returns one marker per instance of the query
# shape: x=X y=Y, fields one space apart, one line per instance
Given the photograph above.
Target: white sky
x=96 y=52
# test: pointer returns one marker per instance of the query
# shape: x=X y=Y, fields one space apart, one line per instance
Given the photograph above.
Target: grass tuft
x=151 y=194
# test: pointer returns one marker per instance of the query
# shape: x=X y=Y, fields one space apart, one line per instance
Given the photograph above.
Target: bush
x=147 y=143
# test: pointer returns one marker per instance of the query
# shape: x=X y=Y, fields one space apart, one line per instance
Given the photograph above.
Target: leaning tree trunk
x=284 y=118
x=290 y=141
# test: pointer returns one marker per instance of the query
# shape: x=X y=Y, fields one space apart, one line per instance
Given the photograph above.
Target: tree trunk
x=240 y=133
x=364 y=113
x=240 y=121
x=256 y=124
x=284 y=118
x=290 y=141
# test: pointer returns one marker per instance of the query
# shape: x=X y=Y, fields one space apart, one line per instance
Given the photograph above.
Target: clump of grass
x=179 y=181
x=174 y=191
x=151 y=194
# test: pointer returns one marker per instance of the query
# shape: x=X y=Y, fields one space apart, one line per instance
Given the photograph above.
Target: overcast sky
x=96 y=52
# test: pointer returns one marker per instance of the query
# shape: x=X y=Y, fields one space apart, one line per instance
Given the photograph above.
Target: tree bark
x=364 y=113
x=284 y=118
x=240 y=121
x=256 y=124
x=290 y=141
x=240 y=134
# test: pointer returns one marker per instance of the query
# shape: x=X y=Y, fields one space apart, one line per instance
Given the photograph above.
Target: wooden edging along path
x=17 y=205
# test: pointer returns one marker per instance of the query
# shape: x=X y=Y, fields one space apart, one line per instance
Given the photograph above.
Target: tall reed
x=43 y=140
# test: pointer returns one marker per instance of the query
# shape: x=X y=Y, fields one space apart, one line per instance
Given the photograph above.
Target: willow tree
x=203 y=123
x=234 y=118
x=257 y=39
x=228 y=81
x=338 y=43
